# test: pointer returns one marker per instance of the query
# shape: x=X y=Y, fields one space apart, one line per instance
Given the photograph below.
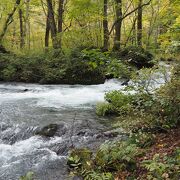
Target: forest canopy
x=32 y=25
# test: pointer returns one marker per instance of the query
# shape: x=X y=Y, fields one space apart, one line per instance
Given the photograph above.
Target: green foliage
x=142 y=139
x=120 y=101
x=136 y=56
x=117 y=103
x=81 y=162
x=28 y=176
x=89 y=175
x=118 y=69
x=94 y=57
x=80 y=158
x=52 y=67
x=104 y=109
x=114 y=156
x=111 y=157
x=160 y=107
x=163 y=167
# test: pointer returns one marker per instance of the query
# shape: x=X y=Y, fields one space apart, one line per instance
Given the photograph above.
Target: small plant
x=142 y=139
x=80 y=158
x=120 y=101
x=163 y=167
x=104 y=109
x=28 y=176
x=114 y=156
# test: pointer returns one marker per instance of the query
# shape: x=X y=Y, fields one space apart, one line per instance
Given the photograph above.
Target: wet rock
x=25 y=90
x=108 y=134
x=85 y=133
x=125 y=83
x=60 y=148
x=111 y=134
x=77 y=178
x=52 y=130
x=48 y=131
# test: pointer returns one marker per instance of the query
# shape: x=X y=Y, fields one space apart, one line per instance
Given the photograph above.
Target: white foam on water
x=12 y=153
x=59 y=96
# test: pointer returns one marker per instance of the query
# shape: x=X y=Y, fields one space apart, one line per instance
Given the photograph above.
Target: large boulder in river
x=52 y=130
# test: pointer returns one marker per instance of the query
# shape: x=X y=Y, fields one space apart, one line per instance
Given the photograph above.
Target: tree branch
x=126 y=15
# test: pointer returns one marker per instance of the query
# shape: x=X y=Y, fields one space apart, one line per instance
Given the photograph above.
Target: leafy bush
x=142 y=139
x=120 y=101
x=104 y=109
x=81 y=162
x=55 y=67
x=114 y=156
x=161 y=107
x=136 y=56
x=166 y=167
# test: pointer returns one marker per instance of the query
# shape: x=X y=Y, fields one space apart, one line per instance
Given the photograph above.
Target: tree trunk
x=60 y=20
x=139 y=24
x=118 y=25
x=27 y=24
x=8 y=21
x=21 y=29
x=47 y=31
x=105 y=26
x=52 y=25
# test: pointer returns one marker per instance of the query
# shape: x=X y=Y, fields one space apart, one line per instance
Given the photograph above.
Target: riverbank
x=79 y=66
x=152 y=148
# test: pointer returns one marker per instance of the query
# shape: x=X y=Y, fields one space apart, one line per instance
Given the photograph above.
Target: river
x=26 y=108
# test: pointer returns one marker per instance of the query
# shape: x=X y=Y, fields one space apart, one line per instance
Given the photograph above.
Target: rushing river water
x=26 y=108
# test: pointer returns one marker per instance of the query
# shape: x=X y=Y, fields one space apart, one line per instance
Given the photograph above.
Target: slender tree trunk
x=130 y=33
x=139 y=24
x=105 y=26
x=21 y=29
x=8 y=20
x=118 y=25
x=52 y=25
x=13 y=36
x=47 y=31
x=27 y=24
x=60 y=20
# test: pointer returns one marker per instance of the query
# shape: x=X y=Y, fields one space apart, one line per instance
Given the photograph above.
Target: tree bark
x=8 y=21
x=52 y=25
x=105 y=26
x=60 y=20
x=47 y=31
x=21 y=29
x=118 y=25
x=27 y=24
x=139 y=24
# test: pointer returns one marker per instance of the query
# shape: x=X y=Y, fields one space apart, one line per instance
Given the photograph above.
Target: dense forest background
x=33 y=25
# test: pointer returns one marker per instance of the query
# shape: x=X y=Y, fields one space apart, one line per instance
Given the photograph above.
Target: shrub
x=120 y=101
x=114 y=156
x=105 y=109
x=136 y=56
x=163 y=167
